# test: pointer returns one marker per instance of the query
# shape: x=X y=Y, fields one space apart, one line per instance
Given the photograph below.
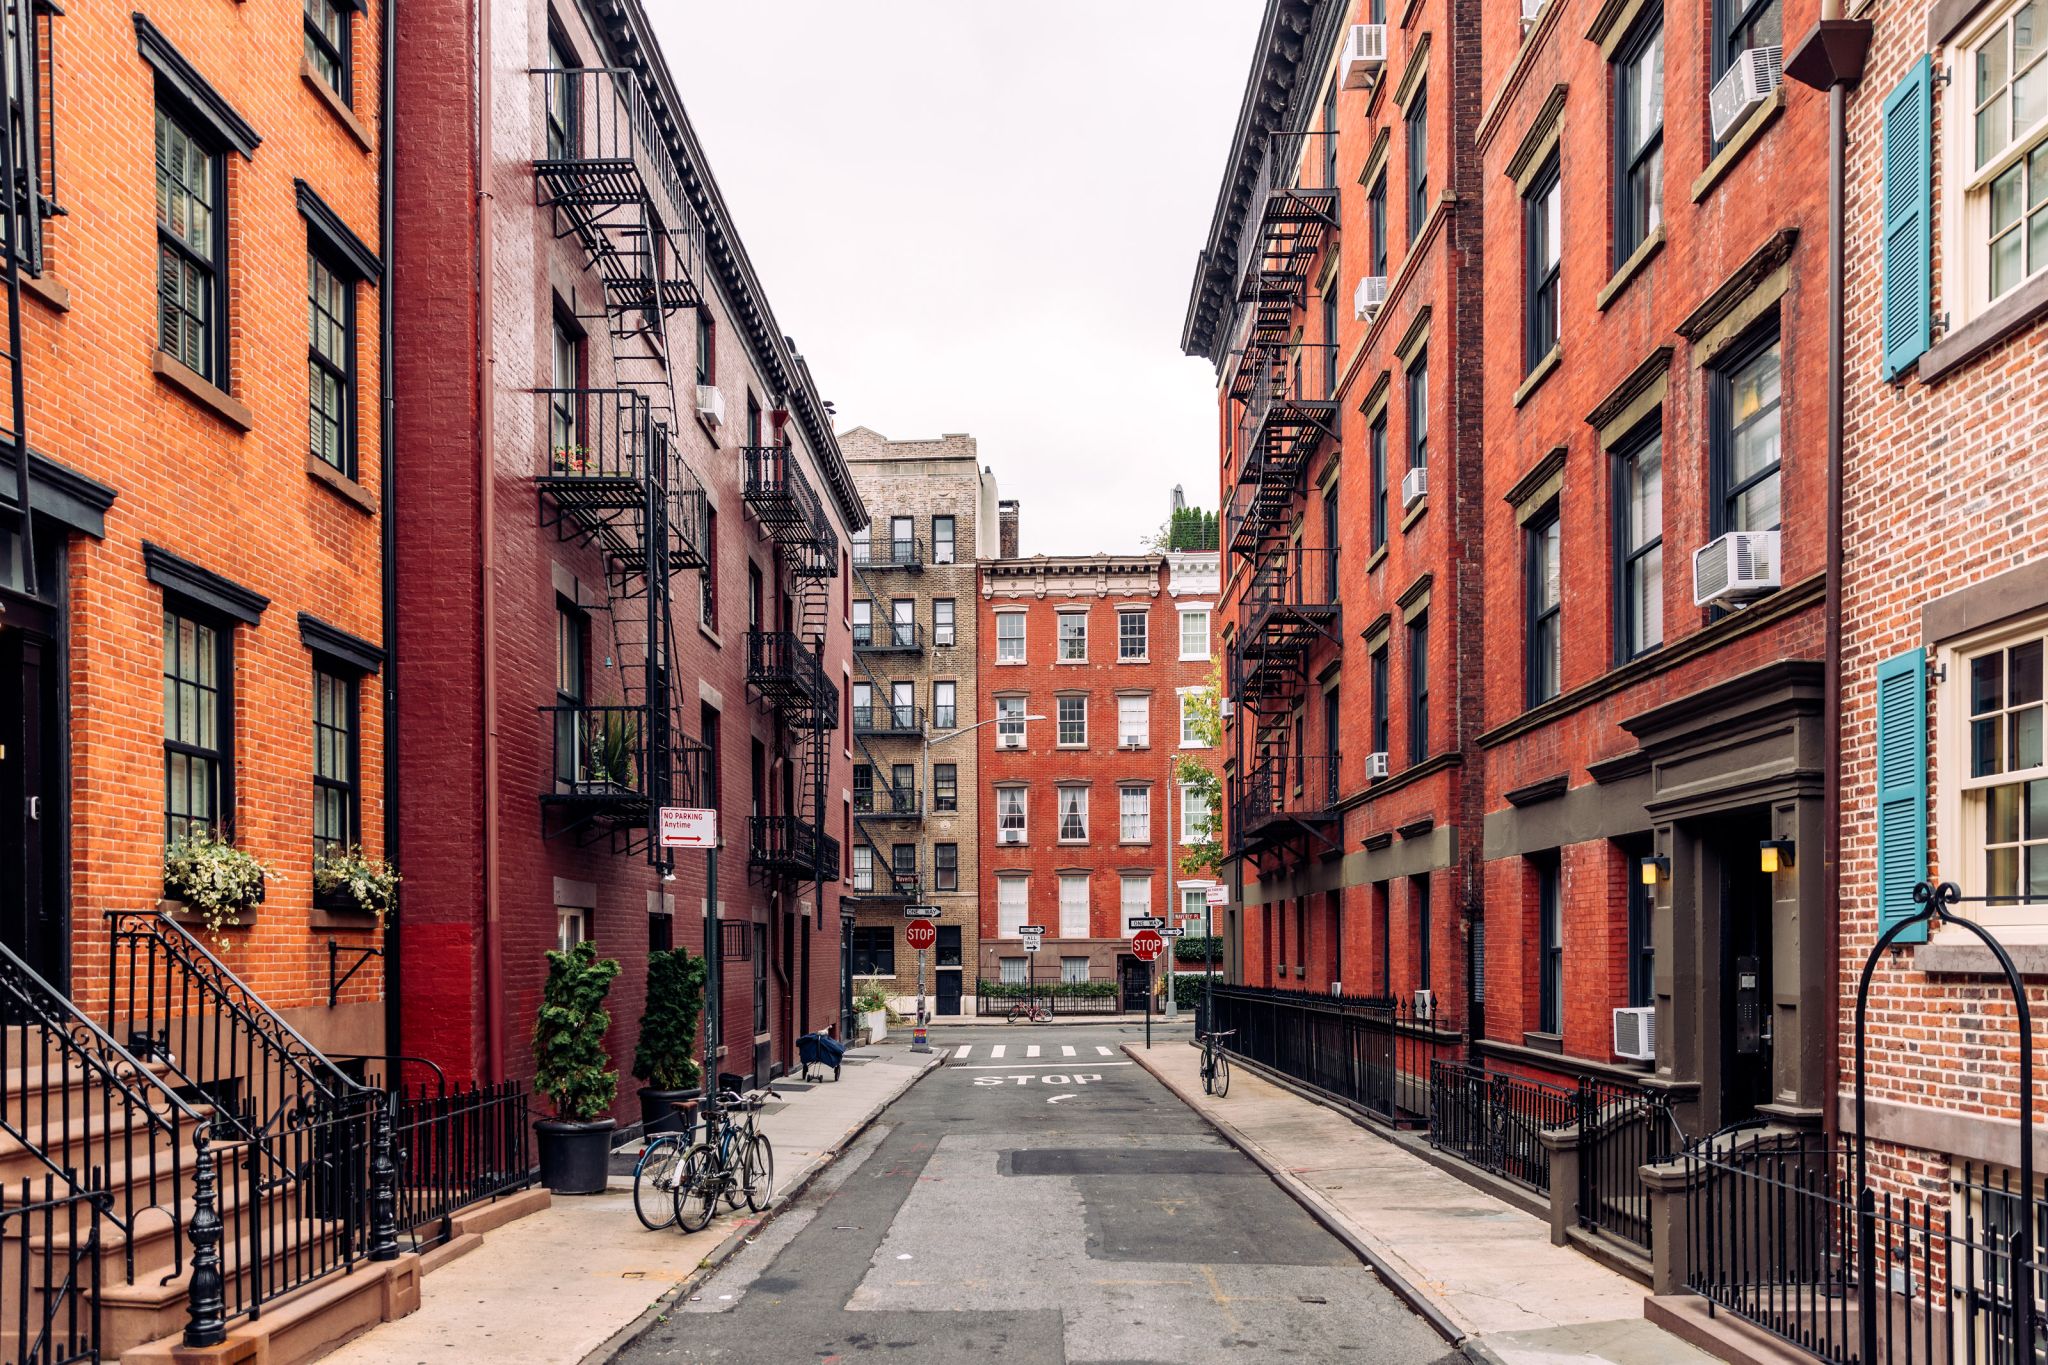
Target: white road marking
x=965 y=1048
x=1030 y=1066
x=1055 y=1099
x=1027 y=1078
x=1066 y=1049
x=1031 y=1050
x=1102 y=1051
x=999 y=1049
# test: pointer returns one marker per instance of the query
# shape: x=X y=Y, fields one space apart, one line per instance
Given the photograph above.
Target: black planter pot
x=668 y=1111
x=574 y=1156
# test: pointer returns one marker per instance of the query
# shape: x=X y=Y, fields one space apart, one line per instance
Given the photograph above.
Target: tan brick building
x=912 y=812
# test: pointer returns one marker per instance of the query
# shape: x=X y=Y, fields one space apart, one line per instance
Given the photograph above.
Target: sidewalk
x=559 y=1284
x=1486 y=1270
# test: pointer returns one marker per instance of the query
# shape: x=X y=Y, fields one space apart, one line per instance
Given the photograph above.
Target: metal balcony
x=791 y=846
x=887 y=637
x=612 y=769
x=1290 y=601
x=1293 y=212
x=889 y=554
x=1257 y=512
x=1284 y=796
x=610 y=477
x=776 y=491
x=888 y=720
x=887 y=803
x=784 y=672
x=887 y=879
x=1291 y=406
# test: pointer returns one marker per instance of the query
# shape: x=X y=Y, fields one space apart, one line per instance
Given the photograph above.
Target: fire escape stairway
x=888 y=804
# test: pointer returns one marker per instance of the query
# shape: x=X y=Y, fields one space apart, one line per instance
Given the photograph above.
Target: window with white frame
x=1073 y=815
x=1009 y=717
x=1133 y=722
x=1190 y=718
x=1131 y=639
x=1014 y=970
x=1012 y=904
x=1194 y=904
x=863 y=868
x=1194 y=634
x=572 y=926
x=2002 y=88
x=1010 y=811
x=1136 y=896
x=1010 y=637
x=1073 y=970
x=1073 y=722
x=1194 y=813
x=1134 y=814
x=1074 y=905
x=1073 y=636
x=1999 y=815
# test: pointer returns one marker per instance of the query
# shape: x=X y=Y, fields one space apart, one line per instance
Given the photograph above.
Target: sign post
x=1146 y=945
x=1031 y=938
x=692 y=827
x=922 y=941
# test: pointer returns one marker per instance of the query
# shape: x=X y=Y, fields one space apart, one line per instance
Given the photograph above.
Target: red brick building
x=1087 y=668
x=1337 y=297
x=623 y=575
x=196 y=639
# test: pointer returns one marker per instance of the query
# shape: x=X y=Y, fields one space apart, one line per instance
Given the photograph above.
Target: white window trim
x=1023 y=884
x=1003 y=614
x=1023 y=809
x=1183 y=693
x=1059 y=743
x=1085 y=908
x=1186 y=833
x=1133 y=789
x=1060 y=813
x=1208 y=631
x=1964 y=213
x=1144 y=616
x=1125 y=881
x=1142 y=737
x=1059 y=641
x=1960 y=841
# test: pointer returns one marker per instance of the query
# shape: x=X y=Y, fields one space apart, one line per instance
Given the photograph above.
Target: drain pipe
x=387 y=531
x=487 y=554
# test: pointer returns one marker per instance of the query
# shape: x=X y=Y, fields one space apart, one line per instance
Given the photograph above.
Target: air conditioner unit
x=1748 y=82
x=1370 y=294
x=1635 y=1034
x=1414 y=486
x=1336 y=988
x=711 y=404
x=1365 y=53
x=1130 y=744
x=1226 y=708
x=1010 y=836
x=1377 y=765
x=1530 y=9
x=1425 y=1005
x=1009 y=741
x=1735 y=568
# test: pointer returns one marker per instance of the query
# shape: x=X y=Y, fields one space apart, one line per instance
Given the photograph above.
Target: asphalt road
x=1051 y=1203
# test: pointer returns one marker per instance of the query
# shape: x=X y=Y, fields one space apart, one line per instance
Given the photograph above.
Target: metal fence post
x=206 y=1309
x=383 y=1184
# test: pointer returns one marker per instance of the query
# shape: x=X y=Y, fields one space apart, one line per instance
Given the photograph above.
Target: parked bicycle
x=1216 y=1064
x=735 y=1161
x=1031 y=1011
x=654 y=1178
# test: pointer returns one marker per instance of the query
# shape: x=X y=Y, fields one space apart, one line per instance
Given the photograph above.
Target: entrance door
x=1745 y=982
x=32 y=918
x=948 y=991
x=1136 y=980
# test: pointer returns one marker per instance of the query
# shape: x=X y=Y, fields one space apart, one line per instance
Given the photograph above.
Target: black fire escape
x=1282 y=798
x=786 y=668
x=28 y=172
x=888 y=733
x=610 y=475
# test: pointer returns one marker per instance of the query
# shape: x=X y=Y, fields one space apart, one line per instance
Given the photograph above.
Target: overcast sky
x=983 y=217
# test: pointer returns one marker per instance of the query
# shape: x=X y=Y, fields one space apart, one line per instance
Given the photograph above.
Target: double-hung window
x=863 y=867
x=945 y=867
x=945 y=786
x=1073 y=828
x=327 y=44
x=1072 y=719
x=1376 y=442
x=1131 y=638
x=943 y=624
x=1194 y=813
x=1133 y=722
x=1073 y=637
x=1745 y=438
x=1376 y=225
x=1134 y=814
x=1639 y=542
x=191 y=294
x=1418 y=688
x=1010 y=719
x=1010 y=811
x=1418 y=161
x=945 y=705
x=335 y=757
x=1550 y=948
x=1009 y=637
x=331 y=364
x=196 y=725
x=2004 y=790
x=863 y=788
x=1135 y=896
x=1012 y=905
x=1194 y=634
x=2006 y=181
x=1743 y=24
x=874 y=950
x=565 y=409
x=1638 y=136
x=1074 y=905
x=1542 y=243
x=1382 y=722
x=1542 y=573
x=903 y=623
x=562 y=90
x=863 y=624
x=1418 y=412
x=944 y=549
x=1191 y=719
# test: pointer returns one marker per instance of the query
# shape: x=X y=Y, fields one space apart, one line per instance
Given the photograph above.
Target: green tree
x=572 y=1067
x=667 y=1055
x=1203 y=854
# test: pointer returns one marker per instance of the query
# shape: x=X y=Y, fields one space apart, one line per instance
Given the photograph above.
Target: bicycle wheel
x=1222 y=1073
x=732 y=1158
x=654 y=1183
x=697 y=1188
x=757 y=1172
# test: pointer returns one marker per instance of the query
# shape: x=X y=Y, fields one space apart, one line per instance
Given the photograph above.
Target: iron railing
x=50 y=1241
x=455 y=1150
x=1369 y=1052
x=785 y=672
x=789 y=845
x=1286 y=789
x=888 y=719
x=886 y=637
x=901 y=553
x=610 y=475
x=995 y=999
x=1621 y=1129
x=887 y=803
x=1290 y=596
x=1492 y=1119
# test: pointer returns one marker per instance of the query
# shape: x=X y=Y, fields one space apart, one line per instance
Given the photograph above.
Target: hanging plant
x=368 y=883
x=213 y=878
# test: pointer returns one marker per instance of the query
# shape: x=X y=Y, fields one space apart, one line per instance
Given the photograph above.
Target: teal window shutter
x=1901 y=789
x=1908 y=218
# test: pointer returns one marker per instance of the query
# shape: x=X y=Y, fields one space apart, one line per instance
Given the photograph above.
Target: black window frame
x=1628 y=561
x=707 y=346
x=1332 y=530
x=1376 y=446
x=1722 y=428
x=1382 y=668
x=1329 y=323
x=1542 y=622
x=322 y=50
x=572 y=635
x=212 y=263
x=864 y=787
x=1733 y=17
x=1633 y=205
x=945 y=715
x=1425 y=931
x=760 y=954
x=561 y=111
x=1418 y=688
x=1416 y=130
x=348 y=786
x=318 y=364
x=945 y=787
x=1540 y=274
x=1642 y=952
x=220 y=757
x=1549 y=947
x=1376 y=225
x=1416 y=391
x=945 y=867
x=707 y=600
x=951 y=540
x=945 y=634
x=873 y=946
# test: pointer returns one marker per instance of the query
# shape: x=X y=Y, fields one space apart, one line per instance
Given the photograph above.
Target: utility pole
x=713 y=985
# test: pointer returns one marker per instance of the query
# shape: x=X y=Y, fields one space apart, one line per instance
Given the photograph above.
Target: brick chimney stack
x=1006 y=528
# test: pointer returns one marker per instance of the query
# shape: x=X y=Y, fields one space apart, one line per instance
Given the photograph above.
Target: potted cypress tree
x=667 y=1055
x=573 y=1070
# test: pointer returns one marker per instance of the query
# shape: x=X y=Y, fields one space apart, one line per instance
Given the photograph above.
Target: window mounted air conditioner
x=1130 y=742
x=1748 y=82
x=711 y=404
x=1377 y=765
x=1336 y=988
x=1425 y=1005
x=1226 y=708
x=1414 y=486
x=1010 y=836
x=1635 y=1034
x=1735 y=568
x=1365 y=54
x=1370 y=294
x=1009 y=741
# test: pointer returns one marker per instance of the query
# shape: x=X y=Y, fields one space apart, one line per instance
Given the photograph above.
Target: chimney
x=1006 y=528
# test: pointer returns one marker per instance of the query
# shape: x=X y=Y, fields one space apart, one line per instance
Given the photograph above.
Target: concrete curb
x=737 y=1238
x=1318 y=1208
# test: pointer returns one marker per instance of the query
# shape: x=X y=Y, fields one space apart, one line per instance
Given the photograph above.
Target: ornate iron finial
x=1937 y=897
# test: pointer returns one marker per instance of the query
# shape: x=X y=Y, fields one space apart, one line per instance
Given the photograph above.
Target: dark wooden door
x=32 y=911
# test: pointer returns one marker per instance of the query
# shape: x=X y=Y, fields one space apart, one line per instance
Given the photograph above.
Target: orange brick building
x=203 y=417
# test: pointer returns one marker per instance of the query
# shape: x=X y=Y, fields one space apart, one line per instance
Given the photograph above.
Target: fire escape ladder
x=888 y=803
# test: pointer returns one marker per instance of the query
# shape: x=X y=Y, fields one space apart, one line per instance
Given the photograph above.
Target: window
x=1073 y=722
x=863 y=551
x=2004 y=796
x=2007 y=175
x=945 y=867
x=1544 y=600
x=1418 y=689
x=1639 y=543
x=196 y=729
x=1194 y=635
x=191 y=291
x=1383 y=930
x=1011 y=893
x=943 y=548
x=1382 y=727
x=1073 y=815
x=1073 y=637
x=1641 y=955
x=1743 y=24
x=1014 y=971
x=571 y=671
x=1130 y=636
x=330 y=365
x=1376 y=224
x=874 y=950
x=903 y=706
x=1542 y=240
x=1134 y=814
x=863 y=787
x=327 y=44
x=334 y=763
x=1194 y=814
x=1010 y=637
x=1329 y=385
x=903 y=622
x=1191 y=719
x=945 y=705
x=753 y=420
x=1550 y=949
x=572 y=926
x=753 y=595
x=708 y=576
x=1376 y=440
x=945 y=787
x=1745 y=445
x=1332 y=729
x=942 y=622
x=565 y=412
x=1194 y=906
x=1135 y=898
x=903 y=868
x=1425 y=931
x=707 y=347
x=1010 y=811
x=1638 y=137
x=1418 y=412
x=902 y=536
x=1133 y=722
x=1010 y=719
x=863 y=697
x=1074 y=905
x=1418 y=161
x=708 y=730
x=863 y=624
x=1330 y=543
x=561 y=101
x=1073 y=970
x=863 y=867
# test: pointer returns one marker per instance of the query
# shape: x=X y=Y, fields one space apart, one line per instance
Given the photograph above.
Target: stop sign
x=1147 y=944
x=920 y=934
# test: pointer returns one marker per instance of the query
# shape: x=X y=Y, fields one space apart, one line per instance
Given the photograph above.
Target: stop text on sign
x=920 y=934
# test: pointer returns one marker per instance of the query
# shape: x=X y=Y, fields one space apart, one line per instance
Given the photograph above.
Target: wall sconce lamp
x=1655 y=869
x=1776 y=854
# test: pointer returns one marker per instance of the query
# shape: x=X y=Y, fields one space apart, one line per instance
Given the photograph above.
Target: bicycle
x=654 y=1179
x=735 y=1161
x=1030 y=1011
x=1216 y=1064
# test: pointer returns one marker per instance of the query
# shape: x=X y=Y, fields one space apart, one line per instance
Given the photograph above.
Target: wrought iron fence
x=1374 y=1053
x=1494 y=1119
x=455 y=1150
x=1621 y=1129
x=50 y=1245
x=995 y=999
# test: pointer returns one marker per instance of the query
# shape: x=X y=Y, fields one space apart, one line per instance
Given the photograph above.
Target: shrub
x=572 y=1067
x=1198 y=949
x=666 y=1057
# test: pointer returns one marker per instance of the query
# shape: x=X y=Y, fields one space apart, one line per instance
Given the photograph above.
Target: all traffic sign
x=920 y=934
x=1144 y=922
x=1033 y=944
x=1031 y=930
x=1217 y=894
x=924 y=911
x=688 y=827
x=1146 y=945
x=1172 y=933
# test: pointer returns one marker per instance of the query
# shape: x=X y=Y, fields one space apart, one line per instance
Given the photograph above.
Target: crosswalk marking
x=1031 y=1050
x=1102 y=1051
x=965 y=1048
x=1066 y=1050
x=998 y=1050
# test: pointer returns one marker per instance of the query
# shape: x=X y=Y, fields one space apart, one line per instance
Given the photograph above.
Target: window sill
x=340 y=484
x=202 y=391
x=1539 y=373
x=1414 y=514
x=1968 y=957
x=1544 y=1042
x=1133 y=661
x=52 y=292
x=1010 y=663
x=1058 y=663
x=345 y=918
x=336 y=106
x=1739 y=142
x=1378 y=558
x=1193 y=659
x=2016 y=310
x=717 y=640
x=1630 y=268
